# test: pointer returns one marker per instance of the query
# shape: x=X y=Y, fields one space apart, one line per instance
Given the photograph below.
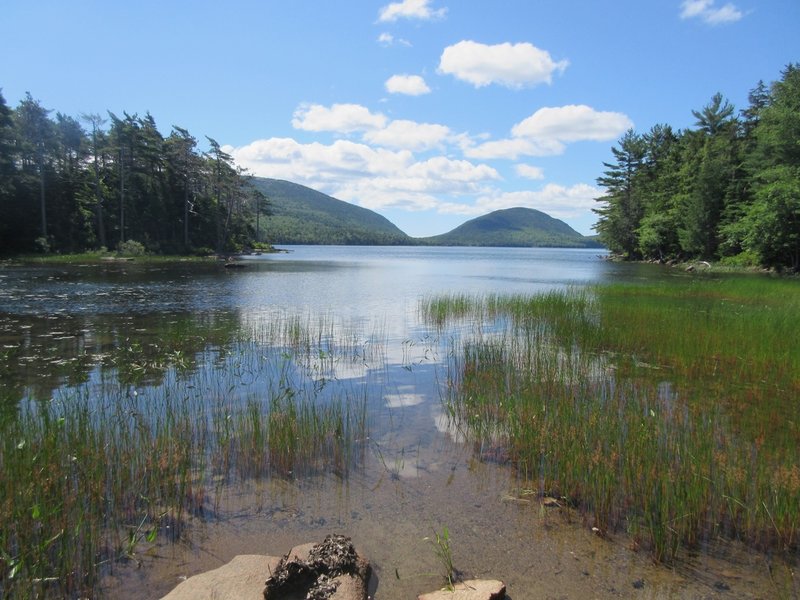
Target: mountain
x=301 y=215
x=524 y=227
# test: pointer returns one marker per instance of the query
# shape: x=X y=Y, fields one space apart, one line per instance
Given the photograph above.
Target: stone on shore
x=330 y=570
x=474 y=589
x=243 y=577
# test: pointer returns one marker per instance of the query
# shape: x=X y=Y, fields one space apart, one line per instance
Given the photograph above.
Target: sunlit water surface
x=69 y=328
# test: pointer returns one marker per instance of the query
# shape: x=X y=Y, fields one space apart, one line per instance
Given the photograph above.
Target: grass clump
x=444 y=556
x=666 y=410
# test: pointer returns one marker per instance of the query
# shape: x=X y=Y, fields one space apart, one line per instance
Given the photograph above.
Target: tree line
x=76 y=184
x=727 y=189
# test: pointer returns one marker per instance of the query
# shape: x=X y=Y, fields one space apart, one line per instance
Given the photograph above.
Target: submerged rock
x=330 y=570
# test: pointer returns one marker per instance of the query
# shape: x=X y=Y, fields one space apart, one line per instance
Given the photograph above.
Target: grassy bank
x=138 y=255
x=100 y=257
x=666 y=410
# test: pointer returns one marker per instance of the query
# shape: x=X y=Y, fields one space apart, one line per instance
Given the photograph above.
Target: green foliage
x=42 y=245
x=80 y=190
x=622 y=214
x=772 y=224
x=726 y=188
x=131 y=248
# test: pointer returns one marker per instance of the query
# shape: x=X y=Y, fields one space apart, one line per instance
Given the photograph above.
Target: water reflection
x=326 y=323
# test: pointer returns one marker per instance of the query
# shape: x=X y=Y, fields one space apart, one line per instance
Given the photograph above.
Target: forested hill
x=728 y=189
x=513 y=227
x=300 y=215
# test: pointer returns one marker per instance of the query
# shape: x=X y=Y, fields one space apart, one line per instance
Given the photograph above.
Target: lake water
x=69 y=328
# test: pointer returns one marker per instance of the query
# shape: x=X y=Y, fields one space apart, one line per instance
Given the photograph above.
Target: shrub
x=131 y=248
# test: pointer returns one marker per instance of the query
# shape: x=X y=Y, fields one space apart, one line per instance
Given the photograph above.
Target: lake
x=151 y=332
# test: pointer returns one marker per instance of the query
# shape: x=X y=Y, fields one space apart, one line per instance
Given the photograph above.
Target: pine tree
x=621 y=216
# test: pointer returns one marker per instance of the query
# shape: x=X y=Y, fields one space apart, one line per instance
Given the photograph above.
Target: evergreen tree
x=657 y=234
x=184 y=169
x=34 y=144
x=7 y=170
x=59 y=184
x=711 y=167
x=624 y=206
x=98 y=165
x=771 y=226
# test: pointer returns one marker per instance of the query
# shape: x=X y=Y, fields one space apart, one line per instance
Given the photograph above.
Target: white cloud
x=572 y=123
x=512 y=65
x=410 y=9
x=316 y=163
x=694 y=8
x=448 y=170
x=409 y=134
x=387 y=39
x=411 y=85
x=513 y=148
x=342 y=118
x=556 y=200
x=371 y=177
x=709 y=13
x=529 y=171
x=425 y=185
x=547 y=131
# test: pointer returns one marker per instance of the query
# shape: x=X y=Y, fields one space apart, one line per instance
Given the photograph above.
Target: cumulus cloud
x=513 y=148
x=572 y=123
x=371 y=177
x=410 y=9
x=556 y=200
x=409 y=135
x=341 y=118
x=707 y=11
x=286 y=158
x=512 y=65
x=529 y=171
x=547 y=131
x=410 y=85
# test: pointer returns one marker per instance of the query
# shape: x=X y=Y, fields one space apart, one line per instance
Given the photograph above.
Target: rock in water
x=331 y=570
x=243 y=577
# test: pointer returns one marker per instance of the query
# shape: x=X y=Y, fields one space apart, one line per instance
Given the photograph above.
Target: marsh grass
x=444 y=556
x=665 y=410
x=103 y=470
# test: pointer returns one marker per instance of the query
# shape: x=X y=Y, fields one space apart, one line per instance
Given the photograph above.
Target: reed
x=105 y=469
x=665 y=410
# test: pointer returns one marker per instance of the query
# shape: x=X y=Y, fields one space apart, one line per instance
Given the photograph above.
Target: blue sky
x=430 y=112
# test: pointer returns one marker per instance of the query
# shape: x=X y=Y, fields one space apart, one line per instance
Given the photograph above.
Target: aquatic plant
x=104 y=469
x=664 y=410
x=444 y=555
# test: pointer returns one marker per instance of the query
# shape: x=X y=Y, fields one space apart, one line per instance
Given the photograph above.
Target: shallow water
x=72 y=328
